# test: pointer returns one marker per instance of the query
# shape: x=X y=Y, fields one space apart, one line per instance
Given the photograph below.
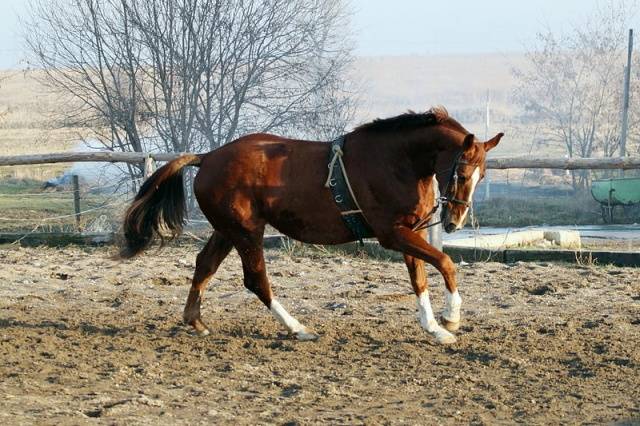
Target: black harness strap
x=338 y=182
x=354 y=219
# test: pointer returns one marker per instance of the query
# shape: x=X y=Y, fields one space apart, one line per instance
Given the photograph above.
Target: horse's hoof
x=199 y=327
x=202 y=333
x=305 y=336
x=444 y=337
x=450 y=325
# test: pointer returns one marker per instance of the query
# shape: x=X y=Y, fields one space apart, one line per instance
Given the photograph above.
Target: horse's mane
x=409 y=120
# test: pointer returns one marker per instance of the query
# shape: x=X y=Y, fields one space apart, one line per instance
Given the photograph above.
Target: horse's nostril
x=450 y=228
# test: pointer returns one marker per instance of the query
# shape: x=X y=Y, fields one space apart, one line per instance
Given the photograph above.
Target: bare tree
x=89 y=63
x=573 y=84
x=192 y=75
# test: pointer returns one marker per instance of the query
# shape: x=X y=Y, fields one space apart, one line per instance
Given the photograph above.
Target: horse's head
x=467 y=170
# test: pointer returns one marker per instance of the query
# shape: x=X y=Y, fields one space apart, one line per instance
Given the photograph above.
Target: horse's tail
x=158 y=209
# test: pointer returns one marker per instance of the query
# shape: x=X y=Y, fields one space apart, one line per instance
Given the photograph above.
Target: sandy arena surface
x=86 y=340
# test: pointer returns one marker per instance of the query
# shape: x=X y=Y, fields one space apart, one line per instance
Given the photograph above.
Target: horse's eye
x=462 y=178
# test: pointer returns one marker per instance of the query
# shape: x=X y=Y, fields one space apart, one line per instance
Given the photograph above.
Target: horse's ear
x=491 y=143
x=468 y=142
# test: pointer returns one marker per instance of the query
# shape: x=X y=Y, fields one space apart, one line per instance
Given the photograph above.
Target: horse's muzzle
x=450 y=228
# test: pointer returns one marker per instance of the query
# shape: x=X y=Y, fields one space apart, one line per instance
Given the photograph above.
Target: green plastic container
x=616 y=192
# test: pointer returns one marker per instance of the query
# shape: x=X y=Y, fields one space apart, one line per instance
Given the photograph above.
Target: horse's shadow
x=83 y=327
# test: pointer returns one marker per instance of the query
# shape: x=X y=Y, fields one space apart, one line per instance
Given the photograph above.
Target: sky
x=460 y=26
x=406 y=27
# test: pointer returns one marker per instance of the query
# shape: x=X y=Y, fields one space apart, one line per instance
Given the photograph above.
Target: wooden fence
x=435 y=233
x=618 y=163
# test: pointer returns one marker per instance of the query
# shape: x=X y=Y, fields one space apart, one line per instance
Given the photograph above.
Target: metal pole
x=487 y=179
x=625 y=101
x=76 y=200
x=435 y=231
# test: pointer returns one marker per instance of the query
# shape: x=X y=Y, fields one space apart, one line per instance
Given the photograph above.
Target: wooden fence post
x=76 y=200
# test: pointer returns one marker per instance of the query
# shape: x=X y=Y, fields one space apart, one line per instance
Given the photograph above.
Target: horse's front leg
x=417 y=251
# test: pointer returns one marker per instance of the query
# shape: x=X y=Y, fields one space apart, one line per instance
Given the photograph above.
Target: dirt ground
x=85 y=339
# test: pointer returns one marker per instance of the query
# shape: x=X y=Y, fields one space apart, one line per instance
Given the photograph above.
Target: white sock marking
x=452 y=306
x=428 y=321
x=283 y=316
x=291 y=323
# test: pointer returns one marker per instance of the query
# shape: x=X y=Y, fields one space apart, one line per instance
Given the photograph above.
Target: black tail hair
x=158 y=207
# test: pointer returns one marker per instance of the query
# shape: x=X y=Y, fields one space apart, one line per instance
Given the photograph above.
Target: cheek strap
x=457 y=201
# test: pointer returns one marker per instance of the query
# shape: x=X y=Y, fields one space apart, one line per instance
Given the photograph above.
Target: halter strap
x=457 y=201
x=443 y=200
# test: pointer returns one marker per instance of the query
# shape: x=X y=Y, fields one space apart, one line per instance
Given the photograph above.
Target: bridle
x=449 y=197
x=452 y=184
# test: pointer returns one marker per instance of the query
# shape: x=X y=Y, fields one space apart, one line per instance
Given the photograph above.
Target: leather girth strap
x=343 y=195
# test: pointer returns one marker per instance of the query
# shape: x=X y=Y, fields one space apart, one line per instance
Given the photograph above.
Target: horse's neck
x=415 y=149
x=444 y=168
x=423 y=154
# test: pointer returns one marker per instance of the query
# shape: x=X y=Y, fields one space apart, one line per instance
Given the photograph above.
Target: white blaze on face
x=475 y=178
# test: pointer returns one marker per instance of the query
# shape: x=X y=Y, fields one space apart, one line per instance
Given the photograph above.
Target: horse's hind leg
x=207 y=263
x=255 y=279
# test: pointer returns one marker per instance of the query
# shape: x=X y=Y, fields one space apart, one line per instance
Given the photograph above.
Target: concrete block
x=565 y=239
x=511 y=239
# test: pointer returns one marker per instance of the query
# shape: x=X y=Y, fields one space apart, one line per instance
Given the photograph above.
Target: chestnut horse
x=264 y=179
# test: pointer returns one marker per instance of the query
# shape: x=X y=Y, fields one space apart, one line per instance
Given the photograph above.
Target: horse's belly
x=311 y=228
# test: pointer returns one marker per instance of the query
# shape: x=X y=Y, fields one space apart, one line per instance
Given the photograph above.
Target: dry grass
x=25 y=103
x=28 y=124
x=25 y=205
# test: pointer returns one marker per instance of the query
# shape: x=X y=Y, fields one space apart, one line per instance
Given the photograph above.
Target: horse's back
x=262 y=161
x=265 y=178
